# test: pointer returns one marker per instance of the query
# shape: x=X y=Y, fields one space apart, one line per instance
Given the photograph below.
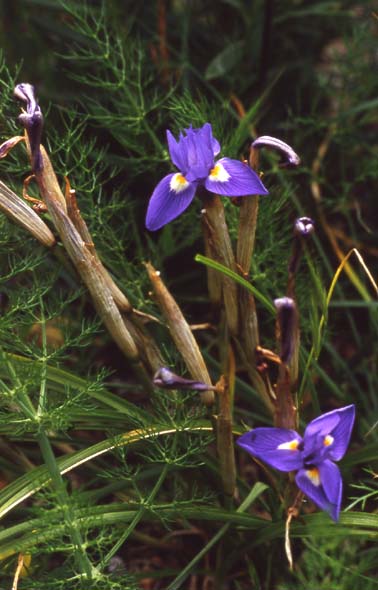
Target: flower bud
x=32 y=120
x=167 y=380
x=290 y=158
x=304 y=226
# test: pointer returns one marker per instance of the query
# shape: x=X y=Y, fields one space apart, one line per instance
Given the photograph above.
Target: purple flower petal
x=200 y=151
x=178 y=153
x=342 y=432
x=322 y=425
x=234 y=179
x=170 y=198
x=277 y=447
x=332 y=485
x=333 y=430
x=206 y=131
x=325 y=494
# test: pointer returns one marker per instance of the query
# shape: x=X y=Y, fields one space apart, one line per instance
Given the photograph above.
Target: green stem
x=27 y=407
x=83 y=562
x=23 y=399
x=42 y=390
x=137 y=517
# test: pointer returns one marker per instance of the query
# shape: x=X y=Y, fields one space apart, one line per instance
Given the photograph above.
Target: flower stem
x=139 y=515
x=83 y=562
x=181 y=333
x=86 y=568
x=225 y=441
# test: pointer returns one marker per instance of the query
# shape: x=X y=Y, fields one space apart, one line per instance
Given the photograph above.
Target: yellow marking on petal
x=328 y=440
x=178 y=183
x=219 y=173
x=291 y=445
x=314 y=476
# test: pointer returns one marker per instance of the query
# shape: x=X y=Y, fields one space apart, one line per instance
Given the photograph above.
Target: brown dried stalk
x=219 y=245
x=87 y=265
x=19 y=212
x=225 y=440
x=181 y=333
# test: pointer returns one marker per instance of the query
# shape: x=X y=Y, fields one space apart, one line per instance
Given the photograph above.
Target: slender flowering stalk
x=248 y=328
x=287 y=320
x=181 y=333
x=218 y=243
x=312 y=456
x=287 y=328
x=194 y=156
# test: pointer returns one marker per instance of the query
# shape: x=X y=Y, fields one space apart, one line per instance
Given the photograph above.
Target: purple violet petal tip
x=170 y=198
x=289 y=155
x=232 y=178
x=177 y=152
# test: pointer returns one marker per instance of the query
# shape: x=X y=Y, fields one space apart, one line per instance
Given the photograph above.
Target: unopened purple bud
x=304 y=226
x=32 y=120
x=287 y=319
x=289 y=155
x=167 y=380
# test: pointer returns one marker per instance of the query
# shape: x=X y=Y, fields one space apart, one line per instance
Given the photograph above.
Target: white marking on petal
x=219 y=173
x=291 y=445
x=328 y=440
x=314 y=476
x=178 y=183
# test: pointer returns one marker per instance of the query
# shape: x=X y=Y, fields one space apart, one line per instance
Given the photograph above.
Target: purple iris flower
x=193 y=154
x=325 y=440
